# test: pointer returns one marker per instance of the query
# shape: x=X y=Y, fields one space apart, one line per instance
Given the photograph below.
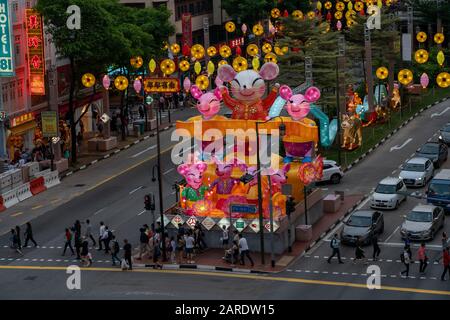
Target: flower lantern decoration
x=405 y=76
x=311 y=15
x=197 y=51
x=167 y=67
x=137 y=85
x=230 y=26
x=297 y=15
x=382 y=73
x=202 y=82
x=186 y=84
x=338 y=15
x=106 y=81
x=340 y=6
x=421 y=56
x=244 y=28
x=443 y=80
x=136 y=62
x=222 y=63
x=440 y=58
x=197 y=67
x=88 y=80
x=270 y=57
x=267 y=48
x=328 y=5
x=255 y=63
x=202 y=208
x=311 y=171
x=339 y=25
x=175 y=48
x=210 y=68
x=439 y=38
x=421 y=37
x=121 y=83
x=424 y=80
x=152 y=65
x=258 y=29
x=252 y=50
x=225 y=51
x=275 y=13
x=211 y=51
x=184 y=65
x=240 y=64
x=359 y=6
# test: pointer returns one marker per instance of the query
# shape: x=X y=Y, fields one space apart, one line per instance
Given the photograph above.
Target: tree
x=247 y=11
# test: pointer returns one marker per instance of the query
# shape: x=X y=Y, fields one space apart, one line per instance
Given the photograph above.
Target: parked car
x=388 y=195
x=438 y=192
x=417 y=172
x=444 y=134
x=423 y=222
x=435 y=151
x=332 y=172
x=362 y=224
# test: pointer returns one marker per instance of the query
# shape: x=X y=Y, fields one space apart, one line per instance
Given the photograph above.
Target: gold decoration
x=443 y=80
x=252 y=50
x=271 y=57
x=267 y=47
x=240 y=64
x=421 y=37
x=202 y=82
x=121 y=83
x=230 y=26
x=197 y=51
x=222 y=63
x=225 y=51
x=175 y=48
x=340 y=6
x=405 y=76
x=439 y=38
x=297 y=15
x=421 y=56
x=167 y=66
x=258 y=29
x=211 y=51
x=184 y=65
x=275 y=13
x=136 y=62
x=382 y=73
x=338 y=15
x=88 y=80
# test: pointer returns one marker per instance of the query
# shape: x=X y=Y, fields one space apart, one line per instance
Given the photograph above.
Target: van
x=438 y=192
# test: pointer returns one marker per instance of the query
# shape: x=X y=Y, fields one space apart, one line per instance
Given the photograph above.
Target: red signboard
x=161 y=85
x=238 y=42
x=186 y=28
x=36 y=58
x=24 y=118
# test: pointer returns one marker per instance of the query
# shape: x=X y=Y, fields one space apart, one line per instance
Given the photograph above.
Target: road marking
x=397 y=147
x=393 y=172
x=17 y=214
x=167 y=171
x=137 y=189
x=141 y=213
x=37 y=207
x=388 y=238
x=55 y=201
x=143 y=151
x=98 y=211
x=440 y=114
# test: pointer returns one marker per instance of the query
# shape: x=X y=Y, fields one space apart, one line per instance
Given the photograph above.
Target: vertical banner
x=36 y=59
x=6 y=52
x=186 y=28
x=49 y=120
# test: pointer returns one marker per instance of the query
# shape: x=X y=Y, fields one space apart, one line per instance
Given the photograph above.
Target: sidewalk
x=211 y=259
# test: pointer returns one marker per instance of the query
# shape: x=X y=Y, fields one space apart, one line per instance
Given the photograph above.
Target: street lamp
x=282 y=129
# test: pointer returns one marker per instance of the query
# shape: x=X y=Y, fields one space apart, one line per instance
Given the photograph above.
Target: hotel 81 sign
x=6 y=52
x=36 y=59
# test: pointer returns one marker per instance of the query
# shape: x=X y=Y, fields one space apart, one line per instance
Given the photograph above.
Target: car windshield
x=439 y=189
x=446 y=128
x=385 y=188
x=414 y=167
x=429 y=149
x=357 y=221
x=417 y=216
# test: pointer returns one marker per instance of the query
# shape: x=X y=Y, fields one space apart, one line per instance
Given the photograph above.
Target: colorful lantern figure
x=106 y=81
x=255 y=63
x=352 y=132
x=340 y=6
x=440 y=58
x=443 y=80
x=405 y=77
x=152 y=65
x=258 y=29
x=271 y=57
x=222 y=63
x=311 y=171
x=197 y=51
x=275 y=13
x=225 y=51
x=267 y=48
x=350 y=15
x=252 y=50
x=248 y=89
x=137 y=85
x=298 y=106
x=208 y=104
x=202 y=82
x=421 y=56
x=424 y=80
x=311 y=15
x=421 y=37
x=167 y=67
x=187 y=84
x=277 y=177
x=230 y=26
x=121 y=83
x=184 y=65
x=278 y=51
x=244 y=28
x=439 y=38
x=339 y=25
x=297 y=15
x=202 y=208
x=338 y=15
x=382 y=73
x=211 y=51
x=136 y=62
x=193 y=171
x=175 y=48
x=197 y=68
x=88 y=80
x=359 y=6
x=210 y=68
x=240 y=64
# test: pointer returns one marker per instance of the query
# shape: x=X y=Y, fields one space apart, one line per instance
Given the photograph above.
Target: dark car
x=435 y=151
x=362 y=224
x=444 y=134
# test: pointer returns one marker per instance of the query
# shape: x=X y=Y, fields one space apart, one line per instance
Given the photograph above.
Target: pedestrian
x=78 y=243
x=236 y=236
x=189 y=244
x=68 y=241
x=115 y=248
x=77 y=227
x=446 y=263
x=156 y=251
x=444 y=240
x=335 y=246
x=141 y=112
x=225 y=236
x=127 y=254
x=101 y=234
x=422 y=257
x=172 y=247
x=359 y=252
x=15 y=242
x=376 y=247
x=86 y=257
x=107 y=237
x=180 y=248
x=181 y=230
x=19 y=241
x=29 y=235
x=405 y=257
x=88 y=233
x=143 y=243
x=245 y=252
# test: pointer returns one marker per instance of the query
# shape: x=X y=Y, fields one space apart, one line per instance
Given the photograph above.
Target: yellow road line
x=37 y=207
x=55 y=201
x=243 y=276
x=17 y=214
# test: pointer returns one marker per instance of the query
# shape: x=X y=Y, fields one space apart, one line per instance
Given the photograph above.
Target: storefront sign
x=49 y=120
x=275 y=226
x=186 y=28
x=208 y=223
x=24 y=118
x=161 y=85
x=239 y=42
x=36 y=59
x=6 y=52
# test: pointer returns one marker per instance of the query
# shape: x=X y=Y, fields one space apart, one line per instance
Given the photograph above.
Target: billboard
x=6 y=52
x=186 y=27
x=49 y=120
x=36 y=59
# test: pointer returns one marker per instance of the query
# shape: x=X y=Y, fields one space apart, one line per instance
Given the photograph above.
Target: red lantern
x=295 y=49
x=238 y=50
x=329 y=16
x=362 y=13
x=285 y=14
x=186 y=50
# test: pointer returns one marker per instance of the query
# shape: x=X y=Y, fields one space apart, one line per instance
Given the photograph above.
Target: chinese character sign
x=186 y=26
x=161 y=85
x=49 y=120
x=36 y=59
x=6 y=53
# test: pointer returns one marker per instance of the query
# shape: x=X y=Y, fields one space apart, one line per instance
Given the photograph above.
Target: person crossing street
x=335 y=246
x=29 y=235
x=88 y=233
x=406 y=259
x=115 y=248
x=422 y=257
x=376 y=247
x=446 y=263
x=68 y=241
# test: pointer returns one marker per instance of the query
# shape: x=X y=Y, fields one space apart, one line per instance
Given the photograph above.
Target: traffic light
x=149 y=202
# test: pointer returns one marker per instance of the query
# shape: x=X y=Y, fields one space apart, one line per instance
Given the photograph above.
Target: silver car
x=362 y=225
x=389 y=193
x=423 y=222
x=417 y=172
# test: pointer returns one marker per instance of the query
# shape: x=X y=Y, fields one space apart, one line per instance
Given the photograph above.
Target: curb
x=354 y=163
x=199 y=267
x=106 y=156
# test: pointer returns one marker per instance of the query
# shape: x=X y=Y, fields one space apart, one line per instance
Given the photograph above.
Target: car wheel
x=335 y=179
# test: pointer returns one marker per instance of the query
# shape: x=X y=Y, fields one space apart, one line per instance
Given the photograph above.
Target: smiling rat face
x=208 y=104
x=298 y=106
x=193 y=173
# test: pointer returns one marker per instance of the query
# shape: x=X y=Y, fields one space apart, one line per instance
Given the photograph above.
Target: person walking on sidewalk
x=446 y=263
x=422 y=257
x=376 y=247
x=143 y=243
x=359 y=252
x=406 y=259
x=88 y=233
x=190 y=241
x=29 y=235
x=15 y=242
x=19 y=241
x=180 y=248
x=115 y=248
x=171 y=248
x=127 y=254
x=335 y=246
x=225 y=237
x=245 y=252
x=101 y=235
x=68 y=241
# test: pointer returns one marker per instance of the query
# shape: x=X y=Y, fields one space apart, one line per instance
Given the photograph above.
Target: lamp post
x=282 y=128
x=272 y=254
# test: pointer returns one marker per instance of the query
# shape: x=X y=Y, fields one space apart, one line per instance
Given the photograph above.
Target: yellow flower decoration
x=440 y=58
x=211 y=51
x=275 y=13
x=222 y=63
x=230 y=26
x=271 y=57
x=88 y=80
x=350 y=23
x=280 y=51
x=202 y=82
x=266 y=48
x=121 y=83
x=197 y=67
x=340 y=6
x=443 y=80
x=350 y=14
x=297 y=15
x=225 y=51
x=405 y=76
x=255 y=63
x=136 y=62
x=184 y=65
x=167 y=66
x=197 y=51
x=328 y=5
x=152 y=65
x=439 y=38
x=382 y=73
x=421 y=56
x=258 y=29
x=210 y=68
x=311 y=15
x=359 y=6
x=240 y=64
x=252 y=50
x=175 y=48
x=338 y=15
x=421 y=37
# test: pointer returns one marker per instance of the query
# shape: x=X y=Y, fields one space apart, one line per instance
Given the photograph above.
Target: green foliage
x=427 y=12
x=248 y=11
x=431 y=67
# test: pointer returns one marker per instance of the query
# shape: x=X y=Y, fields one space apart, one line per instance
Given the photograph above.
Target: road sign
x=166 y=220
x=177 y=220
x=161 y=85
x=149 y=100
x=275 y=226
x=240 y=224
x=254 y=225
x=208 y=223
x=224 y=222
x=243 y=208
x=191 y=222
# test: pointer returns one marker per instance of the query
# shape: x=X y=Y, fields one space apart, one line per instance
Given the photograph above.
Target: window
x=20 y=88
x=191 y=8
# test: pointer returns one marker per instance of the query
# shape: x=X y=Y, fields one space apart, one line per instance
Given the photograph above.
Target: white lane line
x=137 y=189
x=412 y=155
x=96 y=213
x=141 y=213
x=167 y=171
x=392 y=234
x=143 y=151
x=393 y=172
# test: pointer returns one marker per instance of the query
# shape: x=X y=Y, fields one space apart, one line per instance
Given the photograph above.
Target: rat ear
x=226 y=73
x=312 y=94
x=285 y=92
x=196 y=92
x=269 y=71
x=218 y=94
x=182 y=169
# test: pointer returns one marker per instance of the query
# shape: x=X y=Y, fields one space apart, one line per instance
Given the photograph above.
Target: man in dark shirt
x=127 y=253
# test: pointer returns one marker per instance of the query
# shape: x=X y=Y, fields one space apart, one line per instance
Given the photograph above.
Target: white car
x=387 y=194
x=417 y=172
x=332 y=172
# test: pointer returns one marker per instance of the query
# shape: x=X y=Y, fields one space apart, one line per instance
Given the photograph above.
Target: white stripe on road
x=141 y=213
x=167 y=171
x=137 y=189
x=143 y=151
x=98 y=211
x=388 y=238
